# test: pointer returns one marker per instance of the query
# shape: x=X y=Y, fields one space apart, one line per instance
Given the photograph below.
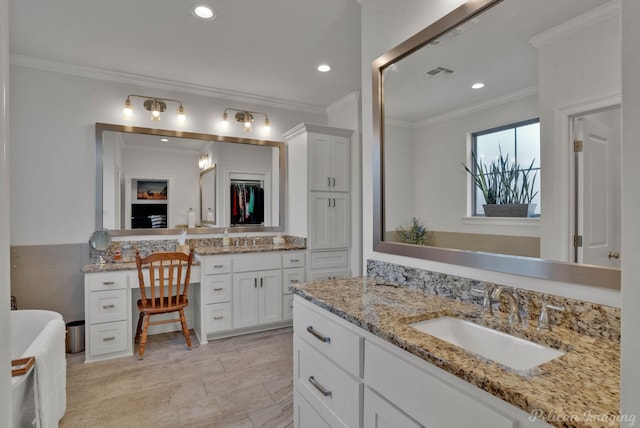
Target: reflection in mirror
x=470 y=86
x=99 y=242
x=208 y=195
x=148 y=180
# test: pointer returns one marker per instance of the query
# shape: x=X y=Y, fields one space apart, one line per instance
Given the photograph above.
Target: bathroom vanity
x=358 y=362
x=234 y=290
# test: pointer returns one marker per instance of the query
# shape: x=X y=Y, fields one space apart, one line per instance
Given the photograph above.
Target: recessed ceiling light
x=324 y=68
x=478 y=85
x=204 y=12
x=164 y=139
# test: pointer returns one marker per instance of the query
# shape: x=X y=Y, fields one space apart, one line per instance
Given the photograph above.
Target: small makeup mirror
x=99 y=242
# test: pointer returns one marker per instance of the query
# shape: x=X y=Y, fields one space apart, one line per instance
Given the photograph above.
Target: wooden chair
x=169 y=275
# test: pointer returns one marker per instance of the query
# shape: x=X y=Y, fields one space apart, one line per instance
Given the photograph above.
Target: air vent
x=438 y=72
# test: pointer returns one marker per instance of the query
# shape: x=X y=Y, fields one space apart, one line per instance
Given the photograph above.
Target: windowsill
x=531 y=222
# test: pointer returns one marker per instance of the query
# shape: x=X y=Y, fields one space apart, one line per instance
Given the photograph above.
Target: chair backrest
x=169 y=275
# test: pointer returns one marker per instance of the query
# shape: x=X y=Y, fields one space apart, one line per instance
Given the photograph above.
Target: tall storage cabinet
x=319 y=177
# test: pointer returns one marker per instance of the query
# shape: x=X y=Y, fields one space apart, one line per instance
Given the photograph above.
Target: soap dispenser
x=191 y=219
x=225 y=238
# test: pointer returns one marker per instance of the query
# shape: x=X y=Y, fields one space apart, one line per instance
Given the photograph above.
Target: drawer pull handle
x=294 y=260
x=319 y=336
x=294 y=281
x=324 y=391
x=108 y=306
x=218 y=318
x=218 y=266
x=108 y=339
x=218 y=289
x=108 y=283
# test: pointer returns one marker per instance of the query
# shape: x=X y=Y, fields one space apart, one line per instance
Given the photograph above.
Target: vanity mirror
x=548 y=63
x=148 y=180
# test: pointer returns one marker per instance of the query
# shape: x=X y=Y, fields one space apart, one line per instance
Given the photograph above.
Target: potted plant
x=414 y=233
x=507 y=187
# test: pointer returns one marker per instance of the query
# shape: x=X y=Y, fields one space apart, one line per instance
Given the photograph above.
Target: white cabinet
x=329 y=162
x=257 y=298
x=391 y=387
x=319 y=185
x=107 y=308
x=293 y=273
x=329 y=220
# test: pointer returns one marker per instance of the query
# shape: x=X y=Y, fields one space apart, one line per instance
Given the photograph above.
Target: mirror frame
x=597 y=276
x=101 y=127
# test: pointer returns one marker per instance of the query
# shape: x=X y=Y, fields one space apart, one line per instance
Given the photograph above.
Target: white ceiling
x=268 y=49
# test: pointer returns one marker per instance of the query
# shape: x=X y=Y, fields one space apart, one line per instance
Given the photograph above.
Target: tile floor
x=244 y=382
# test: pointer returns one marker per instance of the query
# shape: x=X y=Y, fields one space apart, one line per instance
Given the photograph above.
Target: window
x=521 y=142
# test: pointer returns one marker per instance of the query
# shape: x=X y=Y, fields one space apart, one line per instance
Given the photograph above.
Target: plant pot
x=509 y=210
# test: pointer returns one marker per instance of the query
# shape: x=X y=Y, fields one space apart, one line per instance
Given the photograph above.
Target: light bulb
x=155 y=111
x=181 y=115
x=128 y=109
x=225 y=120
x=267 y=126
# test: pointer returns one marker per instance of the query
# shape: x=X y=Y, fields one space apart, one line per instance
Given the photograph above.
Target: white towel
x=50 y=383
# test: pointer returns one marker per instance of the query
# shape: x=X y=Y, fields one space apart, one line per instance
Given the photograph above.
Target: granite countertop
x=242 y=249
x=202 y=251
x=579 y=389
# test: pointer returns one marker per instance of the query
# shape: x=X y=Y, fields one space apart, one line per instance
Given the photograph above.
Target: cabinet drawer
x=291 y=259
x=340 y=345
x=330 y=274
x=329 y=259
x=218 y=317
x=379 y=413
x=108 y=338
x=442 y=409
x=287 y=307
x=108 y=306
x=304 y=415
x=255 y=262
x=214 y=265
x=217 y=288
x=106 y=281
x=291 y=276
x=325 y=385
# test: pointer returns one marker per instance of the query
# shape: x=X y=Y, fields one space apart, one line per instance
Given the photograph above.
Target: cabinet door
x=319 y=227
x=245 y=299
x=341 y=164
x=339 y=220
x=270 y=296
x=319 y=155
x=378 y=413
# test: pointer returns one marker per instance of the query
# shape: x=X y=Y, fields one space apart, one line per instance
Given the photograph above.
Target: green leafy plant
x=503 y=181
x=414 y=233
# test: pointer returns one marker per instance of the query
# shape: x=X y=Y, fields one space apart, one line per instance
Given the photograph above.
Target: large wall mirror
x=539 y=82
x=154 y=182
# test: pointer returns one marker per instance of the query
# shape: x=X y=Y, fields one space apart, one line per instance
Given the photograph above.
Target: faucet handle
x=543 y=319
x=486 y=300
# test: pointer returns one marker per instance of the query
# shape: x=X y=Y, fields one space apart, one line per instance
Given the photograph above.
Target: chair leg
x=185 y=329
x=143 y=339
x=139 y=328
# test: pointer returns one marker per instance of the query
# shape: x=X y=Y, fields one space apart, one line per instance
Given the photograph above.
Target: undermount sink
x=511 y=351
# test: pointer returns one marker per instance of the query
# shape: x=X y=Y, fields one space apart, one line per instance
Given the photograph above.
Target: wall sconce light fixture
x=203 y=161
x=246 y=118
x=155 y=106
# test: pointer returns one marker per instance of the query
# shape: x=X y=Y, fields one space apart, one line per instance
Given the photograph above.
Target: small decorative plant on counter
x=414 y=233
x=507 y=187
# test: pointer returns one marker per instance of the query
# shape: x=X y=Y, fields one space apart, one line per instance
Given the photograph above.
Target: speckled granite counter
x=579 y=389
x=242 y=249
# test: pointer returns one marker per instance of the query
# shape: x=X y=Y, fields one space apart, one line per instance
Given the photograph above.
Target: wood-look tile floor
x=244 y=382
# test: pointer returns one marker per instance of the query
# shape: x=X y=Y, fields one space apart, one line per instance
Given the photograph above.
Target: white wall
x=567 y=69
x=630 y=377
x=384 y=25
x=5 y=313
x=52 y=120
x=400 y=187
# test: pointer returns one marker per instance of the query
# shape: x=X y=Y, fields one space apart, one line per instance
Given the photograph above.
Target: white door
x=341 y=164
x=598 y=178
x=320 y=204
x=245 y=299
x=319 y=153
x=270 y=295
x=340 y=220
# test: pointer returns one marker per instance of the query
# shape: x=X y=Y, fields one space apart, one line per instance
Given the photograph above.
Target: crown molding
x=579 y=23
x=305 y=127
x=346 y=101
x=157 y=83
x=522 y=93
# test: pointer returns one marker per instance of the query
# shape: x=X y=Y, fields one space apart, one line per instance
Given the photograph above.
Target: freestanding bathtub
x=26 y=328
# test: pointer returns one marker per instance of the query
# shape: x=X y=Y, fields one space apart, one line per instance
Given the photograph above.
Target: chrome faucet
x=486 y=300
x=514 y=307
x=543 y=319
